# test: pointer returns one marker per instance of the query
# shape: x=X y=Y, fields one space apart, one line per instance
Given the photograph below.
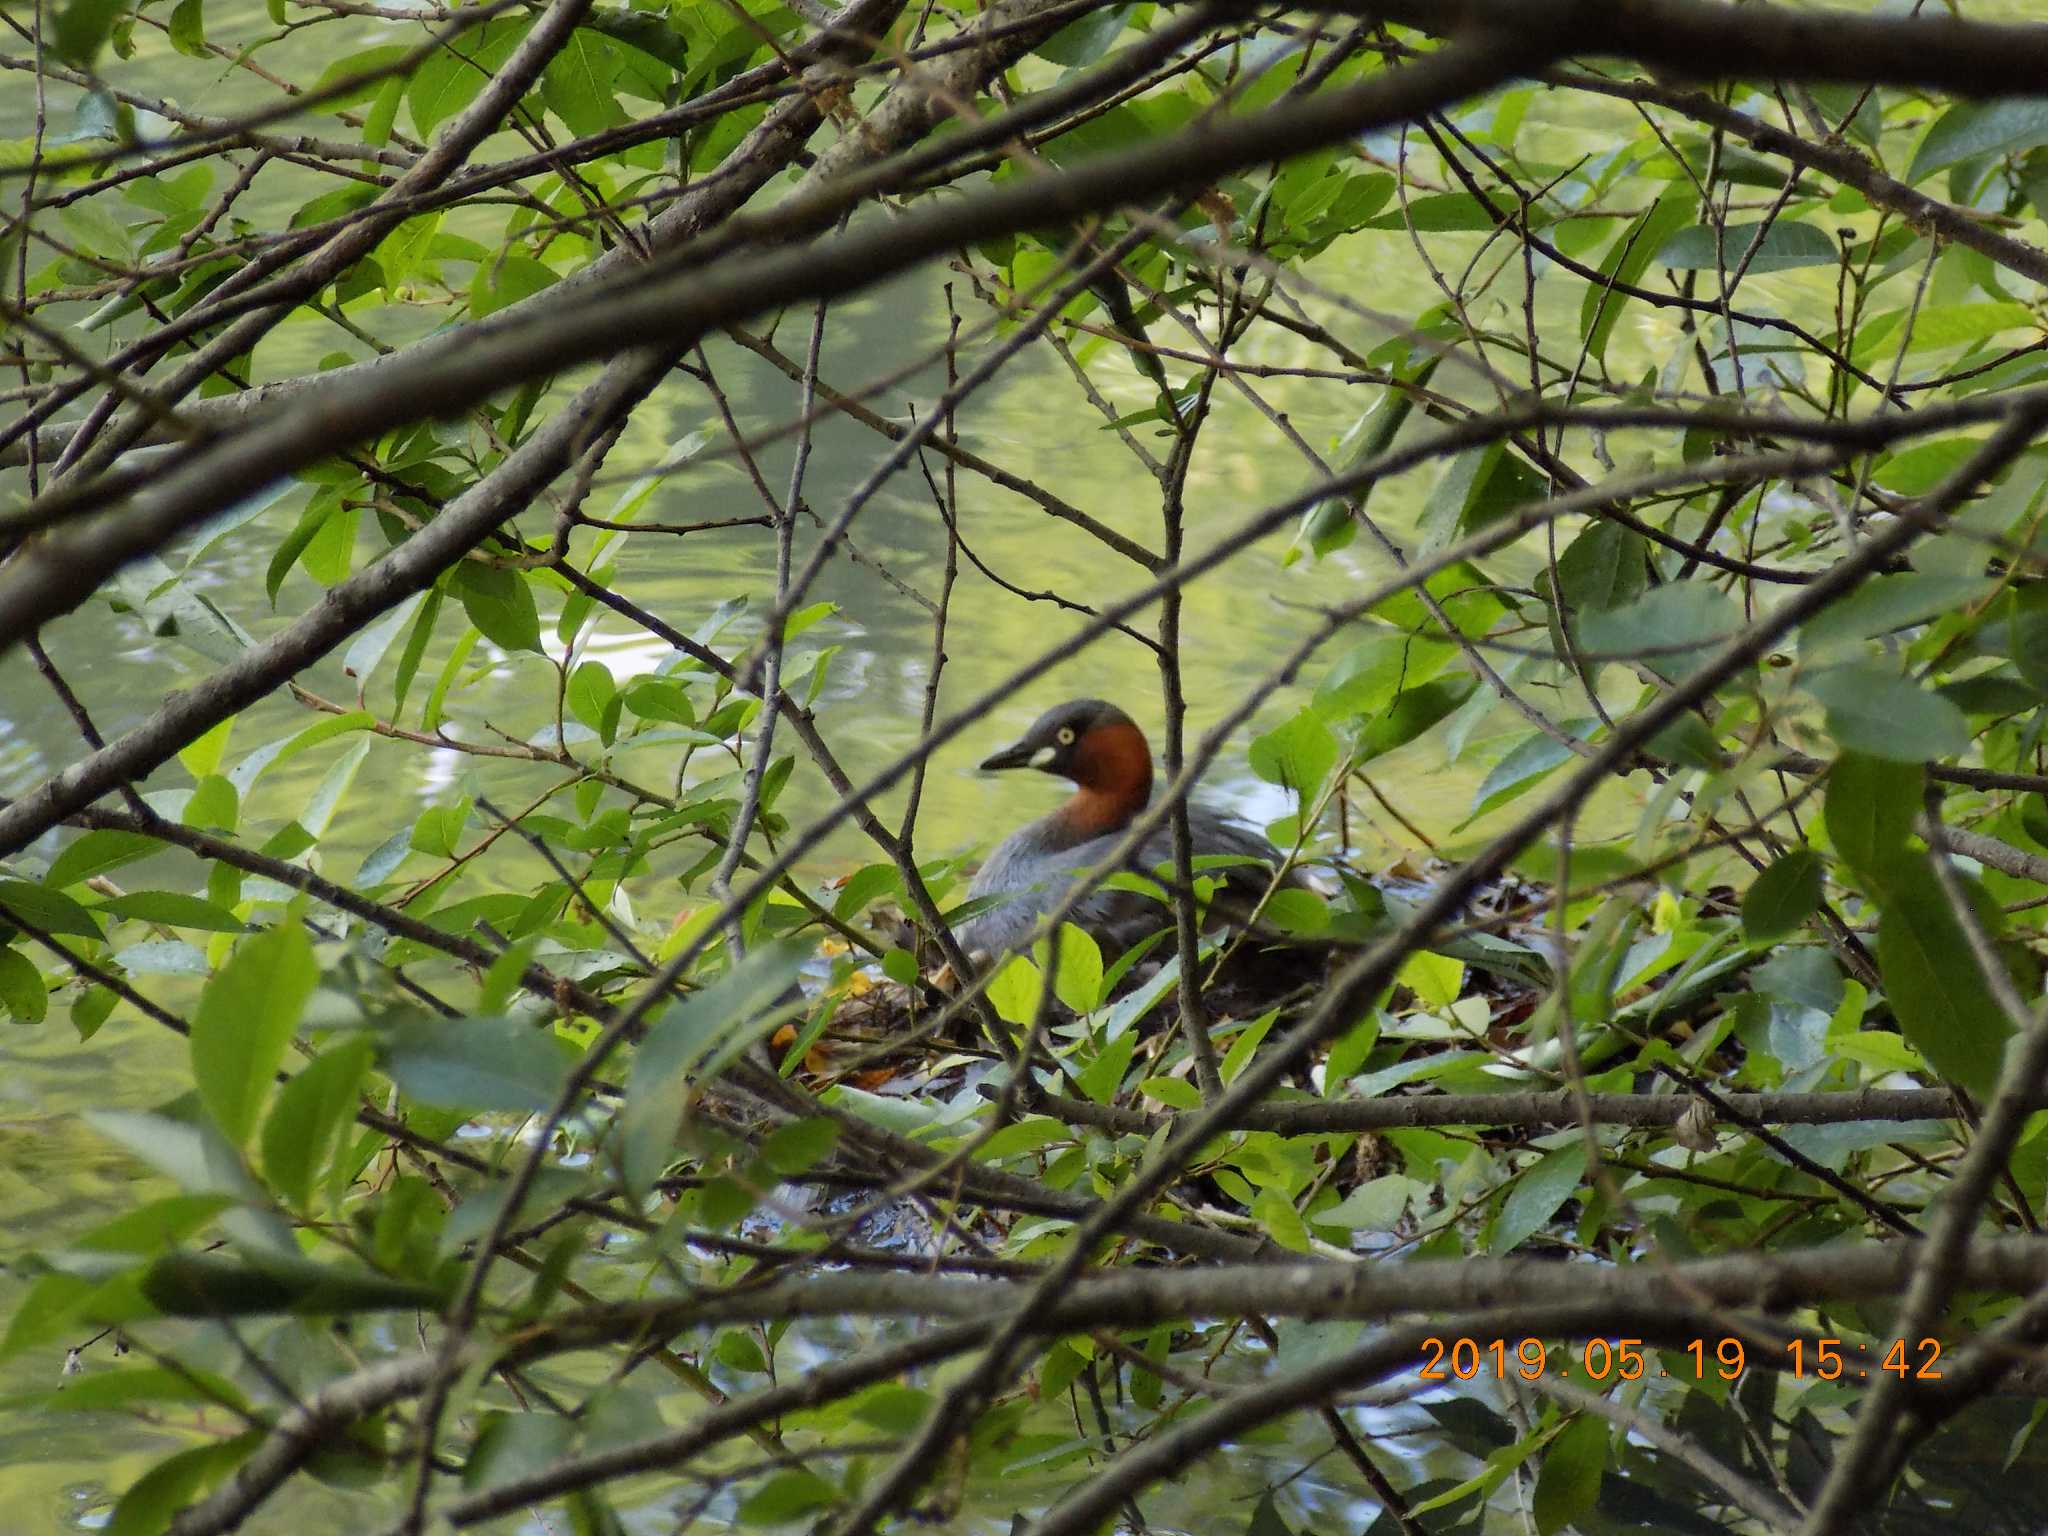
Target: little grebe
x=1099 y=747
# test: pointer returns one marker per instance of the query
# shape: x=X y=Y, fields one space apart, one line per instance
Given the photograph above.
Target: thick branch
x=1137 y=1298
x=1698 y=40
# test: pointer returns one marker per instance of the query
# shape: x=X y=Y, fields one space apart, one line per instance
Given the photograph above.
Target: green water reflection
x=59 y=1178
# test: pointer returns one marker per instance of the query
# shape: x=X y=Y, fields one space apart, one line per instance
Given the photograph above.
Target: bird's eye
x=1066 y=736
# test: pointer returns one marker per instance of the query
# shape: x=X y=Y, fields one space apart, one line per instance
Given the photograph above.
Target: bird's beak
x=1022 y=755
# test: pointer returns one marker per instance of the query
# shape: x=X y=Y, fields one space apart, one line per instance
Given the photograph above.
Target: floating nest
x=888 y=1037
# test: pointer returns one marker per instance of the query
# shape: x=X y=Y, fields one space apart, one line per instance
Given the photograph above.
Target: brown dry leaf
x=1694 y=1129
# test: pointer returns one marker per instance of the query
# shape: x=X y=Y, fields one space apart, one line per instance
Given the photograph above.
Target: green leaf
x=90 y=1011
x=173 y=909
x=1327 y=526
x=309 y=1116
x=81 y=28
x=1026 y=1135
x=437 y=696
x=1921 y=468
x=1532 y=759
x=255 y=764
x=1377 y=1205
x=503 y=281
x=367 y=71
x=95 y=853
x=1782 y=897
x=1266 y=1519
x=1014 y=991
x=317 y=813
x=1603 y=568
x=890 y=1407
x=2026 y=631
x=1802 y=974
x=1873 y=710
x=1568 y=1484
x=438 y=831
x=1973 y=128
x=1934 y=326
x=154 y=1225
x=500 y=604
x=693 y=1041
x=368 y=650
x=1480 y=486
x=593 y=697
x=292 y=546
x=1297 y=755
x=1173 y=1092
x=327 y=207
x=1366 y=678
x=1455 y=492
x=222 y=1285
x=451 y=79
x=415 y=649
x=51 y=911
x=1689 y=741
x=1279 y=1221
x=1943 y=1004
x=1536 y=1194
x=383 y=114
x=660 y=698
x=188 y=28
x=739 y=1351
x=1786 y=244
x=22 y=992
x=513 y=1445
x=1884 y=604
x=800 y=1145
x=805 y=618
x=1870 y=808
x=868 y=883
x=1080 y=43
x=1301 y=913
x=1667 y=626
x=578 y=83
x=245 y=1019
x=202 y=755
x=176 y=1481
x=1246 y=1043
x=1413 y=711
x=1078 y=982
x=1105 y=1074
x=1991 y=694
x=1436 y=980
x=97 y=1278
x=215 y=806
x=784 y=1497
x=1348 y=1053
x=473 y=1064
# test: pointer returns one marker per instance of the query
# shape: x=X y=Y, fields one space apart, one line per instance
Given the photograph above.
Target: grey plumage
x=1036 y=866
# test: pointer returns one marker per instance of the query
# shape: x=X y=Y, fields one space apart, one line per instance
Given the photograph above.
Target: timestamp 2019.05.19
x=1459 y=1357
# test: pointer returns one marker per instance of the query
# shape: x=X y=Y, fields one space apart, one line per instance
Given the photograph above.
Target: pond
x=60 y=1177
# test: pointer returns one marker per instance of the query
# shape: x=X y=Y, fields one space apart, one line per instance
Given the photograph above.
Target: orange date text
x=1462 y=1358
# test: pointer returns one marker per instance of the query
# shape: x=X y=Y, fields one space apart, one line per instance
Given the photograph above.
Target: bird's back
x=1035 y=867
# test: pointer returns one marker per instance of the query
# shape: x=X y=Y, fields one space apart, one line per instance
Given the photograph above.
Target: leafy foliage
x=1653 y=701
